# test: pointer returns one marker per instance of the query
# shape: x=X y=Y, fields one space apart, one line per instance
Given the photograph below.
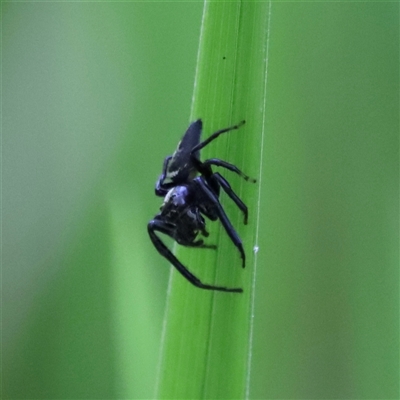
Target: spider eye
x=176 y=196
x=179 y=195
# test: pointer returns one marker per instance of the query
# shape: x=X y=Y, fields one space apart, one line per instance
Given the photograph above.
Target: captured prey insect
x=191 y=192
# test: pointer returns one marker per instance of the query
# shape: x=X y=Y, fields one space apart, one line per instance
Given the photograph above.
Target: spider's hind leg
x=215 y=135
x=220 y=163
x=229 y=191
x=220 y=213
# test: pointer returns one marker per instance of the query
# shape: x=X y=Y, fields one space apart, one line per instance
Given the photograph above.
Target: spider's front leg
x=199 y=244
x=167 y=228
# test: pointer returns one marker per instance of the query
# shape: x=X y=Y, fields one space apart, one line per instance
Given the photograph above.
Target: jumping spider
x=191 y=192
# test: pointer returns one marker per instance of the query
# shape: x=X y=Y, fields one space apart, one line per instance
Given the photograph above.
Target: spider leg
x=231 y=167
x=214 y=136
x=200 y=245
x=228 y=190
x=230 y=230
x=157 y=225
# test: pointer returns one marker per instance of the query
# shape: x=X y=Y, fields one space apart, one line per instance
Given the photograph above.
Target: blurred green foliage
x=326 y=298
x=94 y=95
x=327 y=292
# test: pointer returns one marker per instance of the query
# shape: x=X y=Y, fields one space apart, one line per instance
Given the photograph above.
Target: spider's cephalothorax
x=191 y=192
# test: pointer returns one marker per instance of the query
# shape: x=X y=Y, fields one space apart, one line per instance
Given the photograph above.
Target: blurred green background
x=94 y=96
x=327 y=295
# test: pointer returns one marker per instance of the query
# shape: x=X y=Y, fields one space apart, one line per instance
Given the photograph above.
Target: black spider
x=191 y=192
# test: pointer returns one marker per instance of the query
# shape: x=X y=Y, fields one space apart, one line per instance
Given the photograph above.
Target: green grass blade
x=205 y=344
x=327 y=287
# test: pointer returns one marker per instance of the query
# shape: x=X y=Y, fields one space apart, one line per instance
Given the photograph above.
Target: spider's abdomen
x=180 y=167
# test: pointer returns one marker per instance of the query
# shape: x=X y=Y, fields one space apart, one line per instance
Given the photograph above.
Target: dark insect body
x=191 y=192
